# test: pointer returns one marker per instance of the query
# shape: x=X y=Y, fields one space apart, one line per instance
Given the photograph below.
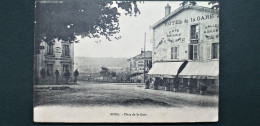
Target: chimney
x=167 y=10
x=142 y=51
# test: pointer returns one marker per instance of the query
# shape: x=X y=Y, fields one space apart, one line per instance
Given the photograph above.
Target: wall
x=137 y=65
x=56 y=59
x=176 y=32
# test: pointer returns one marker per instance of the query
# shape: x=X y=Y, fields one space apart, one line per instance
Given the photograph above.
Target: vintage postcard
x=101 y=61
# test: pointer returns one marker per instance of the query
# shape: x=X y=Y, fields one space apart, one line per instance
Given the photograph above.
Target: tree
x=215 y=5
x=104 y=72
x=183 y=3
x=113 y=74
x=65 y=20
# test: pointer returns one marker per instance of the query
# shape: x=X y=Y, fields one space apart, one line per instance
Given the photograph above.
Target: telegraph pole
x=144 y=54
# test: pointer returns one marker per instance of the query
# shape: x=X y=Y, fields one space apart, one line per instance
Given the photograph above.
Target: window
x=66 y=50
x=194 y=32
x=215 y=48
x=174 y=52
x=49 y=69
x=50 y=49
x=65 y=67
x=193 y=52
x=146 y=63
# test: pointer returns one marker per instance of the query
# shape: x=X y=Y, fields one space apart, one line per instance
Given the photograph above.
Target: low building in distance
x=138 y=64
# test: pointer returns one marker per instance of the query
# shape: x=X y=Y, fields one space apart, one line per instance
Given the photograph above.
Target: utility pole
x=144 y=54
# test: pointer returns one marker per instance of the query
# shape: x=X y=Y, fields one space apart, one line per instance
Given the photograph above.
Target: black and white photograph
x=103 y=61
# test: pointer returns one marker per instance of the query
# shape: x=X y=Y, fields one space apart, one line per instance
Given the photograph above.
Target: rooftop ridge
x=176 y=11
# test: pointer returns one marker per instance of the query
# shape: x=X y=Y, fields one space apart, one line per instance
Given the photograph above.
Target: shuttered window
x=66 y=50
x=174 y=52
x=194 y=32
x=50 y=49
x=193 y=52
x=215 y=48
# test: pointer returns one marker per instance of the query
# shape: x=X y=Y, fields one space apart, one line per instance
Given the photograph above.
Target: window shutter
x=195 y=52
x=190 y=52
x=63 y=50
x=177 y=52
x=197 y=31
x=208 y=50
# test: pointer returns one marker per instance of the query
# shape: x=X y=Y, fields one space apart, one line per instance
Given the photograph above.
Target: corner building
x=189 y=33
x=58 y=55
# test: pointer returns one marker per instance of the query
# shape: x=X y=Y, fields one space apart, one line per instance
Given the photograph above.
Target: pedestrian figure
x=147 y=84
x=57 y=76
x=43 y=73
x=156 y=83
x=67 y=76
x=76 y=74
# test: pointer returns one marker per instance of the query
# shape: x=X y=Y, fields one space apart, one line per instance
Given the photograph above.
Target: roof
x=147 y=54
x=182 y=8
x=165 y=68
x=205 y=68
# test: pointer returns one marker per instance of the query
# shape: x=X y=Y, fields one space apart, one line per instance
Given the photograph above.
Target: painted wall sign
x=198 y=18
x=211 y=31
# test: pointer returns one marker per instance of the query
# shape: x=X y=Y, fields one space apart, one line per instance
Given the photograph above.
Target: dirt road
x=122 y=94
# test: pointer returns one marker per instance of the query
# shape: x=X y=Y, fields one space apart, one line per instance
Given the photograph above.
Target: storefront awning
x=165 y=69
x=206 y=69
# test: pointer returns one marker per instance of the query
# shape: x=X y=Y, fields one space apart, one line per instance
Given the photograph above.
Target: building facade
x=189 y=33
x=139 y=64
x=58 y=55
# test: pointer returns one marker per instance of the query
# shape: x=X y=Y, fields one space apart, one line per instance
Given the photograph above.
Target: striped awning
x=202 y=69
x=166 y=69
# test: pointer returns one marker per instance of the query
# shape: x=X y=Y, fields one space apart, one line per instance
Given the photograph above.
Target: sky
x=132 y=33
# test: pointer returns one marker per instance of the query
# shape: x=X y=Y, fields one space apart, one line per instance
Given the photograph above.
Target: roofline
x=206 y=9
x=139 y=54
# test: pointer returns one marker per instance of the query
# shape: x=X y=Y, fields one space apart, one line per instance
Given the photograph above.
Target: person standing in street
x=43 y=73
x=76 y=74
x=57 y=76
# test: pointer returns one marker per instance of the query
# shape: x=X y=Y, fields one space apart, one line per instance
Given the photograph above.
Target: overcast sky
x=132 y=33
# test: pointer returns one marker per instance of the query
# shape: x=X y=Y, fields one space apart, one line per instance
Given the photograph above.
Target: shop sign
x=187 y=20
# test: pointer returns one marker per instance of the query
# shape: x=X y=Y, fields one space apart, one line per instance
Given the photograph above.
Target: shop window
x=66 y=50
x=215 y=48
x=50 y=49
x=49 y=69
x=193 y=52
x=194 y=32
x=174 y=52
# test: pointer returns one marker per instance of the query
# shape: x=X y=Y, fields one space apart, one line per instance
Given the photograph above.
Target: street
x=117 y=102
x=125 y=94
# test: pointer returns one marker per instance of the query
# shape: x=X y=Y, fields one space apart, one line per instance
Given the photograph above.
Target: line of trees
x=215 y=4
x=105 y=72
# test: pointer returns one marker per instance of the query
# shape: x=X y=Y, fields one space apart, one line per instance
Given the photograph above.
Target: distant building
x=189 y=33
x=58 y=55
x=137 y=64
